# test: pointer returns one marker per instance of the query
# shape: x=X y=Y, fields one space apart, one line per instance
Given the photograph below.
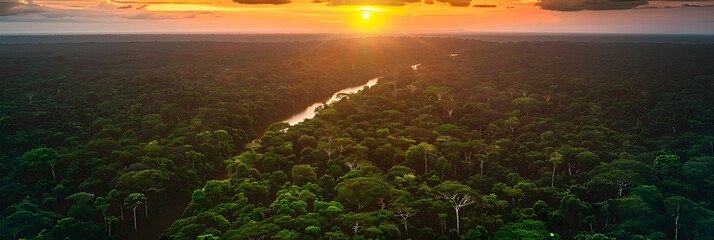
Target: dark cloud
x=485 y=6
x=697 y=5
x=454 y=3
x=457 y=3
x=142 y=7
x=125 y=7
x=579 y=5
x=687 y=5
x=159 y=2
x=274 y=2
x=14 y=7
x=7 y=5
x=368 y=2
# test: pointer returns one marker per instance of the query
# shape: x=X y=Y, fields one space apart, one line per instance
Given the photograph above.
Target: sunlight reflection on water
x=309 y=112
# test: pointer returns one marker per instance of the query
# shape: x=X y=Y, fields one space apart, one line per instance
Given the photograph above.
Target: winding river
x=311 y=110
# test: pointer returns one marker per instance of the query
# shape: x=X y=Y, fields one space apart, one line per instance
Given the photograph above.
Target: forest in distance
x=503 y=37
x=485 y=140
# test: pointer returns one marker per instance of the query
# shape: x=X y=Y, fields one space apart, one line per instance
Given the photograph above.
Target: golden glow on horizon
x=339 y=17
x=370 y=9
x=298 y=16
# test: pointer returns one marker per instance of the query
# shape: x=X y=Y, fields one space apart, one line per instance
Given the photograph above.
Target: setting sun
x=366 y=15
x=369 y=19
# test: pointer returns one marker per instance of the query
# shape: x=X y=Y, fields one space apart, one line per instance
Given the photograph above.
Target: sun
x=366 y=15
x=369 y=19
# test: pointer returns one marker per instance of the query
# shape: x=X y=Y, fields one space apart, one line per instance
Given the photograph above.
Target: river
x=311 y=110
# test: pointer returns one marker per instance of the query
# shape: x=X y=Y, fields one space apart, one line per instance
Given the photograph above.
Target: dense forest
x=534 y=140
x=90 y=131
x=516 y=141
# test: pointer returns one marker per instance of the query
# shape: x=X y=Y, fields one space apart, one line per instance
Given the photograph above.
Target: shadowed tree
x=412 y=88
x=404 y=212
x=40 y=158
x=512 y=123
x=303 y=173
x=683 y=213
x=527 y=104
x=81 y=205
x=362 y=192
x=556 y=158
x=150 y=180
x=133 y=201
x=621 y=174
x=422 y=150
x=439 y=92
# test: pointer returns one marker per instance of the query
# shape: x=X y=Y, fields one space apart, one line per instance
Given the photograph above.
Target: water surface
x=310 y=111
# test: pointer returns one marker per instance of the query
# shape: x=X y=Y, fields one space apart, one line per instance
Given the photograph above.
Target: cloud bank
x=15 y=7
x=580 y=5
x=367 y=2
x=274 y=2
x=485 y=6
x=456 y=3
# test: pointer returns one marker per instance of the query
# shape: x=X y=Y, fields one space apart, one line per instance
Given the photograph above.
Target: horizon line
x=545 y=33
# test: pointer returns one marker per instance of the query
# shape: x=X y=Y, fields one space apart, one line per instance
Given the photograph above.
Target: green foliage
x=597 y=236
x=69 y=228
x=421 y=152
x=526 y=230
x=38 y=162
x=478 y=233
x=665 y=163
x=362 y=192
x=159 y=119
x=509 y=141
x=468 y=150
x=303 y=173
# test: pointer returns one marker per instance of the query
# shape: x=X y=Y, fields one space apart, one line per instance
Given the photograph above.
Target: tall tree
x=555 y=158
x=40 y=158
x=362 y=192
x=133 y=201
x=424 y=151
x=458 y=195
x=146 y=181
x=404 y=212
x=677 y=208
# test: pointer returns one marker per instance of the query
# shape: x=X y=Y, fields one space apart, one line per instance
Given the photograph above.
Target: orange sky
x=374 y=16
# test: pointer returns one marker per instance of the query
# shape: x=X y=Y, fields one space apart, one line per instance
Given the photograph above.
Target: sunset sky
x=355 y=16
